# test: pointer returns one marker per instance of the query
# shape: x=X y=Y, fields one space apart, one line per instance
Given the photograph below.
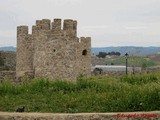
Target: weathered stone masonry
x=51 y=51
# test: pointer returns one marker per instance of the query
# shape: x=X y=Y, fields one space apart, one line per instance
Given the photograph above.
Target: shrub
x=125 y=94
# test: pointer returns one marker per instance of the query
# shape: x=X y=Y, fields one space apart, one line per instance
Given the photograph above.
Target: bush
x=125 y=94
x=140 y=79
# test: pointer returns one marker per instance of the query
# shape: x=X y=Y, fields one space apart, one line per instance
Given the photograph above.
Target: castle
x=51 y=51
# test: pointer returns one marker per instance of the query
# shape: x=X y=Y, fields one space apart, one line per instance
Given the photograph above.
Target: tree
x=102 y=54
x=114 y=53
x=117 y=53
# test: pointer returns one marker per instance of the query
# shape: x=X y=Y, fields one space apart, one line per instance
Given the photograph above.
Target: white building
x=116 y=68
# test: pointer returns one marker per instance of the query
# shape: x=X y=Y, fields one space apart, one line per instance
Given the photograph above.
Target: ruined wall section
x=70 y=28
x=84 y=56
x=24 y=53
x=51 y=51
x=54 y=50
x=40 y=34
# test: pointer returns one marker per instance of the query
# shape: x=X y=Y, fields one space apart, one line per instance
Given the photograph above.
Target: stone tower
x=52 y=52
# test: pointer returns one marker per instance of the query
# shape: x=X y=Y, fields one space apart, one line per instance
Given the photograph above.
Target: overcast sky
x=108 y=22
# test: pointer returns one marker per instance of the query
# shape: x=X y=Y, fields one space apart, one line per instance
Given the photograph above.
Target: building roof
x=116 y=68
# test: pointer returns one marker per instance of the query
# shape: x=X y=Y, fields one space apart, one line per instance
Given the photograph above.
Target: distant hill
x=131 y=50
x=8 y=48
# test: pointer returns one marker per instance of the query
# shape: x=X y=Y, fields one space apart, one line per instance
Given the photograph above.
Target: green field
x=136 y=93
x=132 y=61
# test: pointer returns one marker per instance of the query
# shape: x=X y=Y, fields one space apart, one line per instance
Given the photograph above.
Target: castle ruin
x=52 y=52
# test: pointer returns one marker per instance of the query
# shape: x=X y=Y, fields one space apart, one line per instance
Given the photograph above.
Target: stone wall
x=81 y=116
x=53 y=52
x=7 y=75
x=24 y=51
x=9 y=59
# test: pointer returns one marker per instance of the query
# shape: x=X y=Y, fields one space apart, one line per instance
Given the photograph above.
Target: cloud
x=136 y=27
x=64 y=2
x=108 y=22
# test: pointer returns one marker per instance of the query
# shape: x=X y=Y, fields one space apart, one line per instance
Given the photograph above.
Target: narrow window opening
x=84 y=52
x=54 y=50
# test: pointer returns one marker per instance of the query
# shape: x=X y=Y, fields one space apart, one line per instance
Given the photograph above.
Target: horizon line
x=98 y=46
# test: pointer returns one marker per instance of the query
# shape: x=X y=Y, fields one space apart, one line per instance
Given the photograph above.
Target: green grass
x=138 y=93
x=133 y=61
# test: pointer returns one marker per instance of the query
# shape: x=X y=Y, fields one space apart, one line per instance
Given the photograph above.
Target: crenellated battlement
x=69 y=25
x=84 y=39
x=22 y=30
x=52 y=51
x=43 y=24
x=56 y=24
